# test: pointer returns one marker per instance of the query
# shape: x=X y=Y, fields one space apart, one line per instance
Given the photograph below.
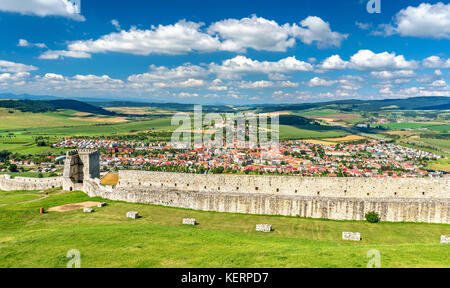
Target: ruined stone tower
x=80 y=165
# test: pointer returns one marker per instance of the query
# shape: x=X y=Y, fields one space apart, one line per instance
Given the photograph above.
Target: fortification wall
x=23 y=183
x=367 y=188
x=337 y=208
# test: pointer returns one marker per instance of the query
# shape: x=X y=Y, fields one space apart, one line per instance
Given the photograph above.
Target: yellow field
x=110 y=179
x=346 y=138
x=312 y=141
x=137 y=110
x=102 y=119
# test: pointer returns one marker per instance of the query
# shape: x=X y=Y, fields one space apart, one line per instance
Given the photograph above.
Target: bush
x=373 y=217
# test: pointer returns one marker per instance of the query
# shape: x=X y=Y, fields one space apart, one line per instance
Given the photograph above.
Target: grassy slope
x=19 y=119
x=106 y=238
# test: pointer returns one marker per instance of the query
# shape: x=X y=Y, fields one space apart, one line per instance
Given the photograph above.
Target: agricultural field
x=106 y=238
x=309 y=132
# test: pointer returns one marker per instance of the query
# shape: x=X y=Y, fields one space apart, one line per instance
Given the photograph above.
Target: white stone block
x=263 y=227
x=132 y=214
x=189 y=221
x=88 y=210
x=352 y=236
x=101 y=204
x=445 y=239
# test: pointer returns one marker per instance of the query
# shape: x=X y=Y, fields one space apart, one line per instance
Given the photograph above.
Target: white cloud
x=256 y=84
x=189 y=83
x=19 y=76
x=314 y=30
x=255 y=32
x=368 y=60
x=234 y=35
x=436 y=62
x=187 y=95
x=317 y=82
x=61 y=54
x=42 y=8
x=162 y=73
x=333 y=63
x=363 y=26
x=240 y=65
x=393 y=74
x=179 y=38
x=439 y=83
x=116 y=24
x=25 y=43
x=7 y=66
x=426 y=21
x=53 y=76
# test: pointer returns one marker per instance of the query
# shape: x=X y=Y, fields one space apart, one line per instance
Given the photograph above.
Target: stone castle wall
x=367 y=188
x=395 y=199
x=22 y=183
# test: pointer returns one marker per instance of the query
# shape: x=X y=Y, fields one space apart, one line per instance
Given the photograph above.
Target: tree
x=372 y=217
x=13 y=168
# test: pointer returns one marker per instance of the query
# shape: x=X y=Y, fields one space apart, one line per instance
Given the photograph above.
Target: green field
x=399 y=126
x=310 y=132
x=19 y=119
x=106 y=238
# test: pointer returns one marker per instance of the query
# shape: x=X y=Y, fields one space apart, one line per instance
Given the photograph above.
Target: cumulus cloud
x=333 y=63
x=25 y=43
x=187 y=95
x=240 y=65
x=7 y=66
x=368 y=60
x=256 y=84
x=315 y=30
x=162 y=73
x=189 y=83
x=393 y=74
x=179 y=38
x=255 y=32
x=42 y=8
x=317 y=82
x=426 y=21
x=436 y=62
x=439 y=83
x=14 y=77
x=234 y=35
x=61 y=54
x=262 y=84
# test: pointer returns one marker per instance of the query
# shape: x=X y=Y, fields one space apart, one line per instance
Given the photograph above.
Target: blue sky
x=229 y=52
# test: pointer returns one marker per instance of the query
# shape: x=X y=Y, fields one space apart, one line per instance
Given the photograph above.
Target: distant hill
x=165 y=106
x=36 y=106
x=79 y=106
x=416 y=103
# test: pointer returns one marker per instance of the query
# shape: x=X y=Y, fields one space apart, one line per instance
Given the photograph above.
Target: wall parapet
x=352 y=187
x=7 y=183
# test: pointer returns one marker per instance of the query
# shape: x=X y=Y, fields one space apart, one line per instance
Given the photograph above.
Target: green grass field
x=106 y=238
x=310 y=132
x=399 y=126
